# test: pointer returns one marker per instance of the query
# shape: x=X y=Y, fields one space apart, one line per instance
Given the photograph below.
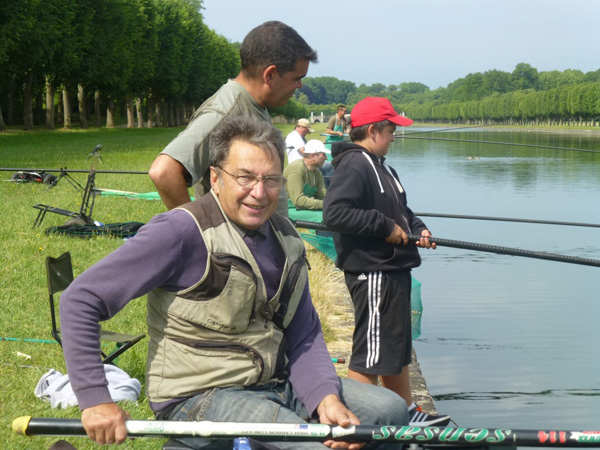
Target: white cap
x=306 y=124
x=315 y=146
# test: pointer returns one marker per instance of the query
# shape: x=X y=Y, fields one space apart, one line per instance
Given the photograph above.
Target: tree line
x=573 y=104
x=495 y=96
x=156 y=60
x=102 y=54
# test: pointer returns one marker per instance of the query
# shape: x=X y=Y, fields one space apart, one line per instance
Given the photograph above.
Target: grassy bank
x=24 y=311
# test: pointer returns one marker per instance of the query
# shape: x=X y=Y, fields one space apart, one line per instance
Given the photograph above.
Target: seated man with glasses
x=234 y=336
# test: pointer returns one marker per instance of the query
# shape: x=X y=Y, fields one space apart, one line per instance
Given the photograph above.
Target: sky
x=433 y=42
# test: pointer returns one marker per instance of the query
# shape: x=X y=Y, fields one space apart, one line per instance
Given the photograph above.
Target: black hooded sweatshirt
x=365 y=199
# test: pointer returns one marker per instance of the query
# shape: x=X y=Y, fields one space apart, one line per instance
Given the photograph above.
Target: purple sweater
x=169 y=253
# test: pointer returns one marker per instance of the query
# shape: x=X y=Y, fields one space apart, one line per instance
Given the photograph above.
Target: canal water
x=508 y=341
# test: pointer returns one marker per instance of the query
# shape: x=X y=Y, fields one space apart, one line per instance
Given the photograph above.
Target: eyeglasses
x=248 y=181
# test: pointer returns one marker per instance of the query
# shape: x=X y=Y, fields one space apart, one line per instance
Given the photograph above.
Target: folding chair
x=59 y=272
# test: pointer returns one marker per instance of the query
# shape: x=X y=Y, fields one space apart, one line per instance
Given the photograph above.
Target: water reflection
x=470 y=344
x=502 y=395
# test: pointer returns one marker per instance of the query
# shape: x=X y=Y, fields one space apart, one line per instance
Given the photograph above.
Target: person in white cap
x=296 y=140
x=305 y=183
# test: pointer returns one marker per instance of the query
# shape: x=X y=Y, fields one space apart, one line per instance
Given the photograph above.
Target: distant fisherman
x=296 y=140
x=305 y=183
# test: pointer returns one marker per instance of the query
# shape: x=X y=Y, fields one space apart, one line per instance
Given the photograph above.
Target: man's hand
x=333 y=412
x=424 y=241
x=398 y=236
x=105 y=423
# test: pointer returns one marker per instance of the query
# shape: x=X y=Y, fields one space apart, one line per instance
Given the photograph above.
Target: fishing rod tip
x=20 y=424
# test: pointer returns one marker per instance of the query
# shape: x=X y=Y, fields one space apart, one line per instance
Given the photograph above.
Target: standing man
x=337 y=125
x=234 y=336
x=305 y=184
x=294 y=142
x=335 y=132
x=274 y=60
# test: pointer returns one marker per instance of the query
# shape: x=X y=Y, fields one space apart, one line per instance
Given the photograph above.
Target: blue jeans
x=276 y=402
x=327 y=170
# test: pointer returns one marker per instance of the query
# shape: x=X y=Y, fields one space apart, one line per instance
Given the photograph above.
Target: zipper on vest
x=287 y=291
x=233 y=348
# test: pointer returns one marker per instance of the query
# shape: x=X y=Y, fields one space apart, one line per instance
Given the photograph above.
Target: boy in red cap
x=367 y=201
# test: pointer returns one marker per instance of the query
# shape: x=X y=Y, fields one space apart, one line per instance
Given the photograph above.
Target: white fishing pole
x=31 y=426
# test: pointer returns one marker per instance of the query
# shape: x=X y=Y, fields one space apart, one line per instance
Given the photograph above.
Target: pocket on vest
x=228 y=305
x=197 y=365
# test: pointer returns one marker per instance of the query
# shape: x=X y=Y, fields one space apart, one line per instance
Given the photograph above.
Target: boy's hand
x=424 y=241
x=398 y=236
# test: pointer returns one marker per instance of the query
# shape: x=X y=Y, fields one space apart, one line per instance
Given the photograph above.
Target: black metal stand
x=84 y=216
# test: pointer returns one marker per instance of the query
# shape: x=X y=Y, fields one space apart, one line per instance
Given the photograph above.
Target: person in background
x=234 y=336
x=295 y=141
x=368 y=203
x=305 y=183
x=274 y=59
x=336 y=128
x=337 y=125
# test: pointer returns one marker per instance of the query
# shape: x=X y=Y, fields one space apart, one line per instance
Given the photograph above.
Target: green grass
x=24 y=310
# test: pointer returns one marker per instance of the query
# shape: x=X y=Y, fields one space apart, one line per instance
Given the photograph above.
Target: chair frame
x=58 y=282
x=88 y=197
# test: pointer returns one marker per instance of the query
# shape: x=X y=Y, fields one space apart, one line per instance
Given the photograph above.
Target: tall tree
x=525 y=77
x=38 y=26
x=215 y=60
x=117 y=28
x=144 y=55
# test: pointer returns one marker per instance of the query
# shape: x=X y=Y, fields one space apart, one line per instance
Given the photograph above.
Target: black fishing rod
x=507 y=219
x=474 y=246
x=128 y=172
x=404 y=136
x=505 y=437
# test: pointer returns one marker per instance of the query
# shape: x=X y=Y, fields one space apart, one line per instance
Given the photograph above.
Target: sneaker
x=419 y=418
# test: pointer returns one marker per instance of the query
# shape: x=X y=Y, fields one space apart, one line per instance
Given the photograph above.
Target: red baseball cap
x=376 y=109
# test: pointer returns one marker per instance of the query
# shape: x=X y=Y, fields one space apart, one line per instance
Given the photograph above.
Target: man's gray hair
x=247 y=129
x=273 y=43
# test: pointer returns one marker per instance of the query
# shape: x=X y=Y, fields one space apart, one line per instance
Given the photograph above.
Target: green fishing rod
x=474 y=246
x=64 y=169
x=42 y=341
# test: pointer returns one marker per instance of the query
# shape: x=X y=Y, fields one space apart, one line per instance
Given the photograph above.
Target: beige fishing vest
x=222 y=331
